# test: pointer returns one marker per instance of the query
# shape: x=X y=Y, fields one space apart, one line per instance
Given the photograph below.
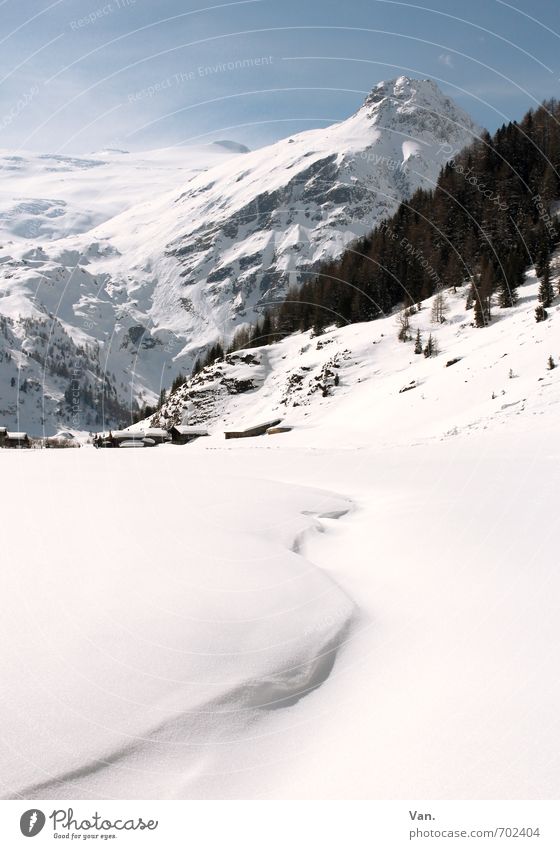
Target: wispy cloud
x=445 y=59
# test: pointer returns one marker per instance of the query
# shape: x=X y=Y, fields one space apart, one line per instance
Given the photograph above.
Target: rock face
x=258 y=225
x=151 y=286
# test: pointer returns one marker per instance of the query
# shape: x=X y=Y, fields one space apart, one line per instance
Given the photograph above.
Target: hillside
x=359 y=385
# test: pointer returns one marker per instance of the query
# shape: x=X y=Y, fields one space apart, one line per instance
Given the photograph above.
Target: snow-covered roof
x=127 y=434
x=16 y=435
x=258 y=426
x=186 y=430
x=156 y=431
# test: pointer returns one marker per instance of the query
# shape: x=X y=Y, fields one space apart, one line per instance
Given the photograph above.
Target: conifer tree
x=540 y=314
x=510 y=278
x=431 y=348
x=482 y=294
x=418 y=343
x=546 y=293
x=479 y=318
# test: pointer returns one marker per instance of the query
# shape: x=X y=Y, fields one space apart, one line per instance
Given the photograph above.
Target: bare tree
x=439 y=308
x=403 y=325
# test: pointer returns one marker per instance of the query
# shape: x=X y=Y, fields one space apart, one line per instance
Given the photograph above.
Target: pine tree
x=540 y=313
x=178 y=382
x=418 y=344
x=512 y=276
x=431 y=348
x=482 y=294
x=546 y=293
x=551 y=364
x=480 y=319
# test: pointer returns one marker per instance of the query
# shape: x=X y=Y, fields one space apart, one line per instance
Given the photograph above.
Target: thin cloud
x=445 y=59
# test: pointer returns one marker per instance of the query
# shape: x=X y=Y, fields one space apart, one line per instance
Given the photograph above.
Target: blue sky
x=79 y=75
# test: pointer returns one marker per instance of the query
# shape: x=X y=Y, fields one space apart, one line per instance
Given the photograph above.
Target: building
x=256 y=430
x=182 y=434
x=141 y=438
x=158 y=434
x=16 y=440
x=115 y=438
x=3 y=433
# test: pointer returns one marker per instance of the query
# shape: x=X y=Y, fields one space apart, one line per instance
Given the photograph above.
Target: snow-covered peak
x=414 y=102
x=403 y=89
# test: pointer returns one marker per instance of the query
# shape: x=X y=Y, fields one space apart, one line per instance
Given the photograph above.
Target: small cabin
x=255 y=430
x=119 y=436
x=158 y=434
x=15 y=439
x=115 y=438
x=3 y=433
x=136 y=443
x=182 y=434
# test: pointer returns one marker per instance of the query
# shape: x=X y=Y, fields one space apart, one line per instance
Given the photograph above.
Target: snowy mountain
x=64 y=329
x=139 y=278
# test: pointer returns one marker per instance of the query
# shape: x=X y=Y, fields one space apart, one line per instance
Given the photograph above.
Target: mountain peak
x=419 y=105
x=402 y=89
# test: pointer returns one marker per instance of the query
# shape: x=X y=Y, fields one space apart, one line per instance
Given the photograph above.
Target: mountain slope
x=241 y=233
x=151 y=286
x=359 y=385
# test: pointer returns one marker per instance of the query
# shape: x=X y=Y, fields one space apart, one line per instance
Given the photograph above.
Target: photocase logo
x=32 y=822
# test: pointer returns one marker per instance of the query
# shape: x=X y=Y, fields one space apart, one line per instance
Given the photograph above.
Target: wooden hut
x=15 y=439
x=182 y=434
x=114 y=438
x=255 y=430
x=158 y=434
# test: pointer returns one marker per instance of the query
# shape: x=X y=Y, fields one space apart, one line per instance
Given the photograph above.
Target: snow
x=146 y=259
x=165 y=642
x=364 y=607
x=49 y=197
